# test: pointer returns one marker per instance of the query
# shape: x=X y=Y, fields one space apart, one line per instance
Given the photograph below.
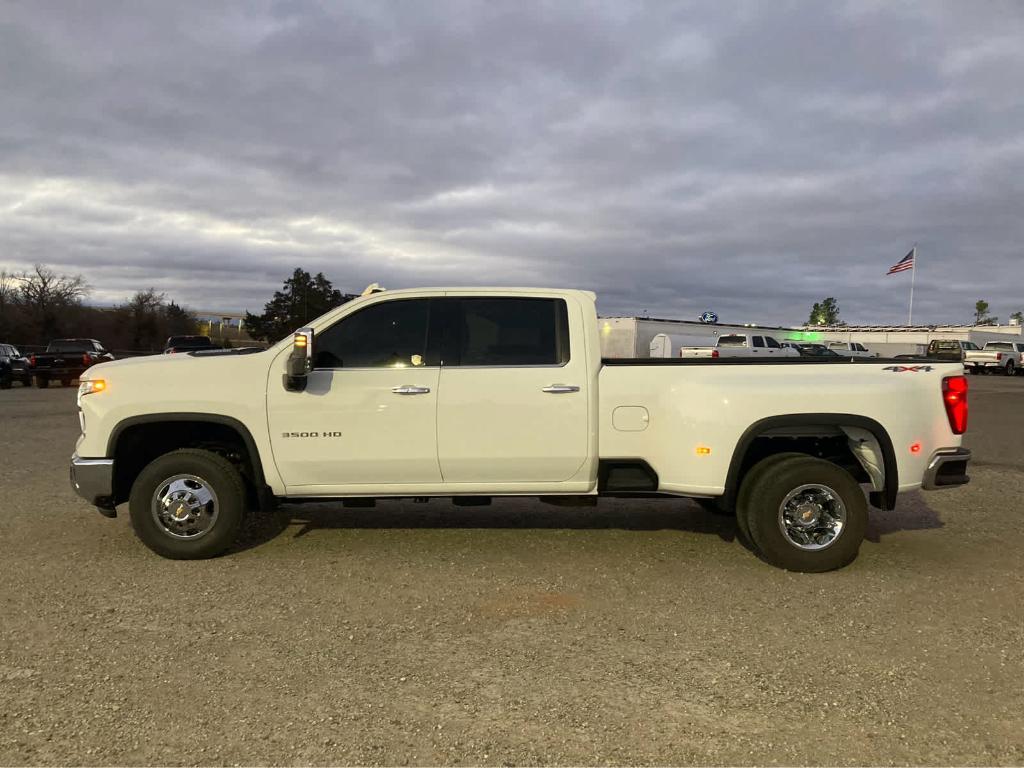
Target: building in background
x=889 y=340
x=635 y=336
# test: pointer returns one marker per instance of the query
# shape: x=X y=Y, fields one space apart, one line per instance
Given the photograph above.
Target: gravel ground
x=636 y=632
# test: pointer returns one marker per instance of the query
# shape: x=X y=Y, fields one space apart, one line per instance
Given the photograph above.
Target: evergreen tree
x=302 y=298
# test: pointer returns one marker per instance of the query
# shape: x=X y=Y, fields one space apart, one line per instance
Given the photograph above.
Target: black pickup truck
x=13 y=367
x=66 y=359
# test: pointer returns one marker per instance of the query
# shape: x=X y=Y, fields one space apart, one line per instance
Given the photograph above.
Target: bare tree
x=44 y=295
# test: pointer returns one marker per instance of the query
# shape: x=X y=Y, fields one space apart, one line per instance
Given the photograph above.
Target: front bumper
x=947 y=469
x=93 y=480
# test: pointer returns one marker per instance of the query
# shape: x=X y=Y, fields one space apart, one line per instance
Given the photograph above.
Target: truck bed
x=768 y=361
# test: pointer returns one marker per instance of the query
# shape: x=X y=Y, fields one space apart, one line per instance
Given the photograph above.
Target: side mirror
x=299 y=361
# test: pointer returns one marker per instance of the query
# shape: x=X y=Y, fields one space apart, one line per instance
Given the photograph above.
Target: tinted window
x=758 y=341
x=392 y=334
x=732 y=341
x=944 y=345
x=859 y=348
x=70 y=345
x=771 y=342
x=513 y=332
x=970 y=345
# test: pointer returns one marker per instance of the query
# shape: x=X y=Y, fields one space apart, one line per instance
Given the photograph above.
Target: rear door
x=513 y=396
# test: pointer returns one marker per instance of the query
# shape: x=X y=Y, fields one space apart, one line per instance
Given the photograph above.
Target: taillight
x=32 y=361
x=954 y=395
x=86 y=360
x=999 y=356
x=714 y=353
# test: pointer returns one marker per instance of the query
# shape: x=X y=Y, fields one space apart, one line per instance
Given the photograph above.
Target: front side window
x=513 y=331
x=771 y=342
x=391 y=334
x=970 y=345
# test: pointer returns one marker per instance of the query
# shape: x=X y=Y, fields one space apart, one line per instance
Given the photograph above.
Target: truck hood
x=150 y=364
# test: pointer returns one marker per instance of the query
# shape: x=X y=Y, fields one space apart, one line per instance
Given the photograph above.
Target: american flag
x=907 y=262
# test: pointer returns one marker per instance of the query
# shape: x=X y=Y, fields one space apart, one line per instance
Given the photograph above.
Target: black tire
x=1010 y=369
x=6 y=382
x=27 y=381
x=218 y=474
x=750 y=480
x=42 y=382
x=767 y=495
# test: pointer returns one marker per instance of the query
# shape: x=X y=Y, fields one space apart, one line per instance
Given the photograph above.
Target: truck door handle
x=409 y=389
x=560 y=389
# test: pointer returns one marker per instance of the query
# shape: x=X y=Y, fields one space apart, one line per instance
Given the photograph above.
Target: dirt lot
x=639 y=632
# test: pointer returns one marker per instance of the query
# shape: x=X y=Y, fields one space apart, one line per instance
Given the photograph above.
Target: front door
x=368 y=415
x=513 y=402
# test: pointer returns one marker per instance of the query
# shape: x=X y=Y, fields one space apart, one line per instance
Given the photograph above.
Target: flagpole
x=913 y=276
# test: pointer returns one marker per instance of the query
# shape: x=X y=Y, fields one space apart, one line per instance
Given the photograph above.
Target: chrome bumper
x=93 y=480
x=947 y=469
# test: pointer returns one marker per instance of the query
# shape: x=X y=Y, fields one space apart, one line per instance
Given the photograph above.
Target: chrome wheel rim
x=185 y=507
x=812 y=517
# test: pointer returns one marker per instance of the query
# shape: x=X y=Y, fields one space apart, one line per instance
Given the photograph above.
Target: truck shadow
x=298 y=520
x=912 y=513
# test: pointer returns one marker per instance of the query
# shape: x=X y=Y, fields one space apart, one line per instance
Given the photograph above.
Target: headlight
x=91 y=386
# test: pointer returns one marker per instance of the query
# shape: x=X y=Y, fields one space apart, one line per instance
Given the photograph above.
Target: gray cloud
x=750 y=158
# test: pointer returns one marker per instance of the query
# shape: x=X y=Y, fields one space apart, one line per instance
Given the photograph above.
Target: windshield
x=70 y=345
x=732 y=341
x=192 y=341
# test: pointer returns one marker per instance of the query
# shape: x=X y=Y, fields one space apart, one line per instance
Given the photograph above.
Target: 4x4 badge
x=908 y=368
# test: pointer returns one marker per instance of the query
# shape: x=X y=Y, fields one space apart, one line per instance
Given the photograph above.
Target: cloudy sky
x=749 y=158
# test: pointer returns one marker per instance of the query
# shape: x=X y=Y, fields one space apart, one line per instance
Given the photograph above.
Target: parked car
x=740 y=345
x=817 y=350
x=177 y=344
x=65 y=360
x=949 y=350
x=13 y=367
x=471 y=394
x=850 y=349
x=1001 y=356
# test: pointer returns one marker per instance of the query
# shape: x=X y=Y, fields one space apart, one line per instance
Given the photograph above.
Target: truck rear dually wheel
x=806 y=514
x=751 y=481
x=188 y=504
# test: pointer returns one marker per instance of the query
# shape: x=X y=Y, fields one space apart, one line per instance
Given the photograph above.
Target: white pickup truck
x=850 y=349
x=472 y=394
x=741 y=345
x=1001 y=356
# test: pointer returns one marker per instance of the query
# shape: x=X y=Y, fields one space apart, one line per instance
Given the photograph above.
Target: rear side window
x=732 y=341
x=758 y=341
x=513 y=331
x=392 y=334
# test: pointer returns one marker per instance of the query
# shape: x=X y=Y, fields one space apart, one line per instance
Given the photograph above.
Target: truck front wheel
x=806 y=514
x=188 y=504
